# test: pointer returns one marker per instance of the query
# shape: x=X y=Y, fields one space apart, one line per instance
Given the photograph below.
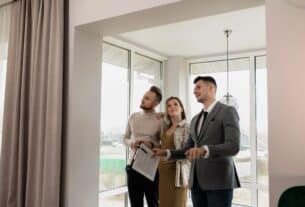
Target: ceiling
x=204 y=36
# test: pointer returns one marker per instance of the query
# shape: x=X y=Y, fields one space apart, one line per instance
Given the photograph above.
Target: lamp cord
x=227 y=34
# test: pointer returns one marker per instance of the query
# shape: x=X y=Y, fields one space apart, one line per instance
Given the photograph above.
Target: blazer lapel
x=210 y=117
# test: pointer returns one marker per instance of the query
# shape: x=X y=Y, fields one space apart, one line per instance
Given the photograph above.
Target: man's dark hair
x=207 y=79
x=157 y=91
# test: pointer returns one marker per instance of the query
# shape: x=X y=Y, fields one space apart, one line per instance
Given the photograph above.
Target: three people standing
x=212 y=140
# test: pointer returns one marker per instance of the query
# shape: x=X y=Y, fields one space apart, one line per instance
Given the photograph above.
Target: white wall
x=88 y=11
x=286 y=74
x=175 y=78
x=81 y=146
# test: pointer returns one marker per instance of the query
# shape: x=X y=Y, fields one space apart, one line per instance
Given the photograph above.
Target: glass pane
x=262 y=120
x=239 y=86
x=5 y=14
x=242 y=196
x=262 y=131
x=2 y=89
x=145 y=73
x=113 y=122
x=113 y=201
x=263 y=198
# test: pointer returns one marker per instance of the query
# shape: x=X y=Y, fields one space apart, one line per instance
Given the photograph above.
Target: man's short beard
x=146 y=108
x=201 y=100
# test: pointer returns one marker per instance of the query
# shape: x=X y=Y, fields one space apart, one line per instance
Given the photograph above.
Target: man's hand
x=148 y=144
x=160 y=115
x=195 y=153
x=136 y=144
x=160 y=152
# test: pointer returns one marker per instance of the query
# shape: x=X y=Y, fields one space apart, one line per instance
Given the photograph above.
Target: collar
x=180 y=124
x=211 y=107
x=149 y=112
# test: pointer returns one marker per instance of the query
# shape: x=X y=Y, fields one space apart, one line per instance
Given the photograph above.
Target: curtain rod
x=6 y=3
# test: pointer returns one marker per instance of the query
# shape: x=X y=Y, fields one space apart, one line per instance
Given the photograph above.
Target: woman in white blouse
x=173 y=173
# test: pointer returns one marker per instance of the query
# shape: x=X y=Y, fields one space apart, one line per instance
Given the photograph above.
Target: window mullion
x=253 y=137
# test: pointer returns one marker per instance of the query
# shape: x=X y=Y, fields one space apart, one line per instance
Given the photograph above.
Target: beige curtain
x=32 y=125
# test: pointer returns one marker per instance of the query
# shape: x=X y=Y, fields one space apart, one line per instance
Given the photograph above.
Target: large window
x=239 y=88
x=145 y=72
x=114 y=113
x=247 y=84
x=126 y=75
x=4 y=36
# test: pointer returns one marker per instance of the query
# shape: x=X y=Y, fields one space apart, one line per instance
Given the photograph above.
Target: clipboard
x=144 y=162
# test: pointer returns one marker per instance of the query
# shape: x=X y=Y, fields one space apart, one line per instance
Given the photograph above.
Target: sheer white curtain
x=4 y=36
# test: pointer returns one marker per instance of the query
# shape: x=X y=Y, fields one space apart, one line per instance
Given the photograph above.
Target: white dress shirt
x=209 y=109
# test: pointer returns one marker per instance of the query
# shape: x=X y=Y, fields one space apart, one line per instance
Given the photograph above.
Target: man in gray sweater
x=143 y=127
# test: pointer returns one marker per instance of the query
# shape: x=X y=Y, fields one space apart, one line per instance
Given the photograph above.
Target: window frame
x=252 y=185
x=132 y=50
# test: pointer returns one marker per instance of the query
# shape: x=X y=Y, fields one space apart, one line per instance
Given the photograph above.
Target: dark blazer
x=221 y=134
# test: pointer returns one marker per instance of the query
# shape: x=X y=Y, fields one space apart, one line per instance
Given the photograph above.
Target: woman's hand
x=175 y=120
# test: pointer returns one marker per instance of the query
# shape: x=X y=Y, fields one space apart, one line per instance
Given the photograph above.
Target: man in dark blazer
x=214 y=140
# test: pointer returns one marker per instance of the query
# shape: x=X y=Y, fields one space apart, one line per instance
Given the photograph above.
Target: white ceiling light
x=228 y=98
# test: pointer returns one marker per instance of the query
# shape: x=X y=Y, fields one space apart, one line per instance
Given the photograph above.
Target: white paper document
x=144 y=162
